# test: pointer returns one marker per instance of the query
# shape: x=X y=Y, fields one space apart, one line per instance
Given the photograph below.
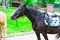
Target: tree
x=29 y=2
x=7 y=3
x=57 y=1
x=50 y=1
x=3 y=5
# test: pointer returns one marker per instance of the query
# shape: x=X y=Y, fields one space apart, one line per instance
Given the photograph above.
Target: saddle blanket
x=55 y=21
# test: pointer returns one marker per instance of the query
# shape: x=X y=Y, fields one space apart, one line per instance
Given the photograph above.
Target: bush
x=50 y=1
x=29 y=2
x=10 y=2
x=43 y=3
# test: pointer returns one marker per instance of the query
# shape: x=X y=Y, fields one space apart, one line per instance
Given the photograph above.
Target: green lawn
x=24 y=25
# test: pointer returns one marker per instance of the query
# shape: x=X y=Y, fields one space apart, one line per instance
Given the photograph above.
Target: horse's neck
x=31 y=14
x=34 y=15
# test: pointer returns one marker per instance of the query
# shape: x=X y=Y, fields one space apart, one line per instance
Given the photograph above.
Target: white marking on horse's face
x=13 y=13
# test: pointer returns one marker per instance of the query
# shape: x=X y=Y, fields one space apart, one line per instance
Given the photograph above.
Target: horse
x=37 y=19
x=3 y=26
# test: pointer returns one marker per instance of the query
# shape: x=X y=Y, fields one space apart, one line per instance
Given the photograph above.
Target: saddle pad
x=55 y=21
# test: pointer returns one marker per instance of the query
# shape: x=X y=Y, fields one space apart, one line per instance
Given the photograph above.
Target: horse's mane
x=34 y=10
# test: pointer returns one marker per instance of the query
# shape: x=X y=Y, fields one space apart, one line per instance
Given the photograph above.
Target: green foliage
x=43 y=3
x=49 y=1
x=57 y=1
x=10 y=2
x=38 y=2
x=29 y=2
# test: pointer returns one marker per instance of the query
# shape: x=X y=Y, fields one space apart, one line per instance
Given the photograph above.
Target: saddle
x=51 y=19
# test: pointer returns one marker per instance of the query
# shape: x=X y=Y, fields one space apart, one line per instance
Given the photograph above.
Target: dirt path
x=30 y=36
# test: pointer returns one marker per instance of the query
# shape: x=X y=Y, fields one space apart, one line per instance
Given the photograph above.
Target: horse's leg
x=58 y=35
x=4 y=32
x=45 y=35
x=38 y=35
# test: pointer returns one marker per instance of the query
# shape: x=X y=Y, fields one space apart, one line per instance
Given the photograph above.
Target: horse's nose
x=12 y=18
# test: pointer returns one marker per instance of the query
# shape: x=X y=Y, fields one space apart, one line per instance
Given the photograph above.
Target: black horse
x=37 y=19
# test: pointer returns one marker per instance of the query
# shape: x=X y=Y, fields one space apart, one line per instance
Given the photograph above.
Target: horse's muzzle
x=12 y=18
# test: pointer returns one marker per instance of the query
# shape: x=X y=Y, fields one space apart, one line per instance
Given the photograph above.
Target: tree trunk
x=7 y=3
x=3 y=5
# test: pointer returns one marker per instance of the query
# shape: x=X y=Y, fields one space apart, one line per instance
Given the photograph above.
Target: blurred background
x=23 y=24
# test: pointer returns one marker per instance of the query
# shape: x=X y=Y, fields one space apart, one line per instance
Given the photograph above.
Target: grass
x=24 y=25
x=58 y=10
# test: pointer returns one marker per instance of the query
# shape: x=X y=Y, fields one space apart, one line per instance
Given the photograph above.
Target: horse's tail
x=58 y=35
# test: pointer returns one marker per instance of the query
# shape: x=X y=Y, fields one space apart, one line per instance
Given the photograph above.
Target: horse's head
x=19 y=12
